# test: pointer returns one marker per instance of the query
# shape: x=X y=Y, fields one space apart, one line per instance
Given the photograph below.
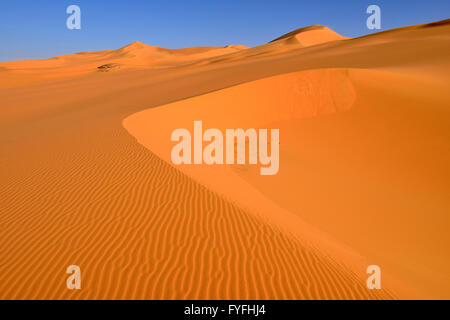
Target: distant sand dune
x=133 y=55
x=312 y=35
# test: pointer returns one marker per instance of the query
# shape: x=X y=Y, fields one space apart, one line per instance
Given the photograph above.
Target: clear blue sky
x=37 y=28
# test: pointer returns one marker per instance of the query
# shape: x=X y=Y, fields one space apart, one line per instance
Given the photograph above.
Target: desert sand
x=86 y=176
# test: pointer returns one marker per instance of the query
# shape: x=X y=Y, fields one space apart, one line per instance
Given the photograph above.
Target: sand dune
x=135 y=55
x=364 y=134
x=311 y=35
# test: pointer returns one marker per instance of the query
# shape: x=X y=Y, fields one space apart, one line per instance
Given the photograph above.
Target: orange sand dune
x=340 y=160
x=363 y=176
x=310 y=36
x=135 y=55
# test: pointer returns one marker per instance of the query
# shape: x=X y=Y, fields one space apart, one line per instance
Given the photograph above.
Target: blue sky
x=37 y=28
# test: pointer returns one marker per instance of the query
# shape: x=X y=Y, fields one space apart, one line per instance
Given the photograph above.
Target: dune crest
x=311 y=35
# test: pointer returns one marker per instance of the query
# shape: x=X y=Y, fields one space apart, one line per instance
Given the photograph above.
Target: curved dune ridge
x=363 y=153
x=256 y=104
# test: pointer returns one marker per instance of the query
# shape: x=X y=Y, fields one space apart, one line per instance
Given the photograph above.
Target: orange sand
x=86 y=176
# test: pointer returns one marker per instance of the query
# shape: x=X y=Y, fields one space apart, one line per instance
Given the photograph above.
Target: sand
x=86 y=175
